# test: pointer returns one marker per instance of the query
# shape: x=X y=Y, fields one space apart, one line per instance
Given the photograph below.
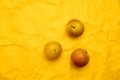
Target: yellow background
x=27 y=25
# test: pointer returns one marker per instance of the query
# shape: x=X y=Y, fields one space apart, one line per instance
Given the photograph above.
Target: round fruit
x=80 y=57
x=52 y=50
x=75 y=28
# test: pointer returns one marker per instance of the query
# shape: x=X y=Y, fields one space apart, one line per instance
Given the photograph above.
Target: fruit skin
x=75 y=28
x=80 y=57
x=52 y=50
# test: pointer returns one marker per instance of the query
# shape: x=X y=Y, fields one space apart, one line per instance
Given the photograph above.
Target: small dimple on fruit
x=80 y=57
x=52 y=50
x=75 y=28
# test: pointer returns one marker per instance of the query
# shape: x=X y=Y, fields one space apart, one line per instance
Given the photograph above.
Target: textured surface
x=27 y=25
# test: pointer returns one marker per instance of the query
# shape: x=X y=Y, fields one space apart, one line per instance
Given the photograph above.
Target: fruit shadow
x=75 y=67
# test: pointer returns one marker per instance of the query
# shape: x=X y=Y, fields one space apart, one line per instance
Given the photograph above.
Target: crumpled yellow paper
x=27 y=25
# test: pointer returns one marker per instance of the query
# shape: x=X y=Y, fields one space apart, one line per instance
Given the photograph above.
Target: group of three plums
x=79 y=56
